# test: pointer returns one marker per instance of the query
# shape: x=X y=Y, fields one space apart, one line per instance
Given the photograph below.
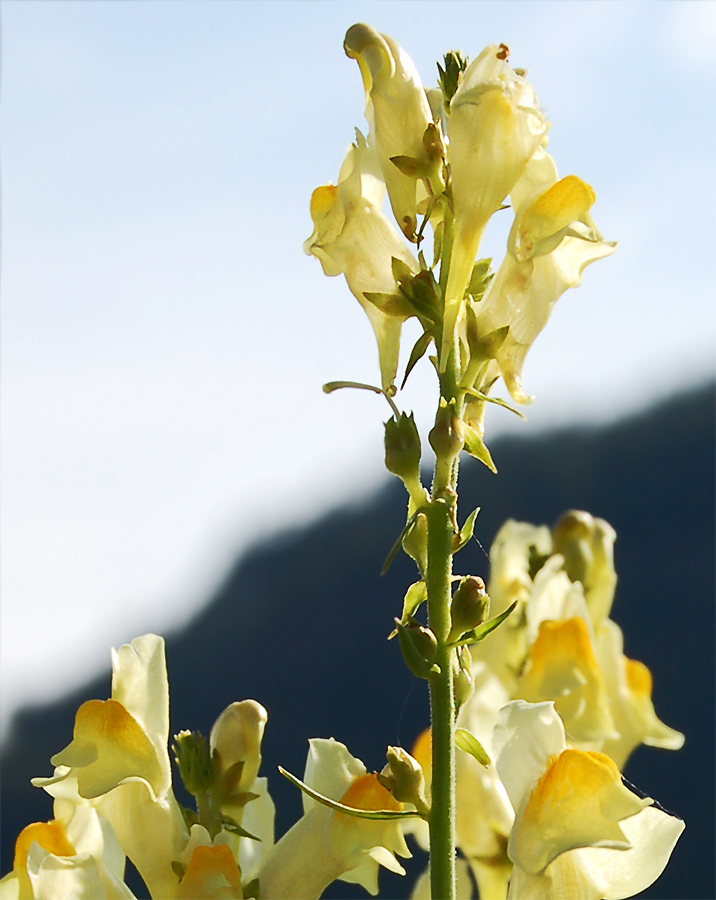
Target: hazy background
x=164 y=337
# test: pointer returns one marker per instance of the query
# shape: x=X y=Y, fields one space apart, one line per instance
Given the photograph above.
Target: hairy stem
x=440 y=516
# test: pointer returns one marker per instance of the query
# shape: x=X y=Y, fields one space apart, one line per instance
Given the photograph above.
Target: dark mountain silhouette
x=300 y=623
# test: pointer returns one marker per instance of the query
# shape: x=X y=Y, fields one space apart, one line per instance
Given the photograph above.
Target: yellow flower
x=398 y=114
x=629 y=685
x=74 y=855
x=235 y=742
x=551 y=241
x=495 y=127
x=352 y=236
x=561 y=666
x=579 y=832
x=560 y=639
x=211 y=872
x=505 y=650
x=118 y=763
x=325 y=845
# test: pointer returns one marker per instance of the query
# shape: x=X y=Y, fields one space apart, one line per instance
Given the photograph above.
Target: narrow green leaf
x=399 y=542
x=425 y=289
x=475 y=446
x=415 y=596
x=480 y=633
x=466 y=531
x=494 y=340
x=468 y=743
x=438 y=242
x=496 y=400
x=374 y=814
x=416 y=354
x=232 y=825
x=449 y=77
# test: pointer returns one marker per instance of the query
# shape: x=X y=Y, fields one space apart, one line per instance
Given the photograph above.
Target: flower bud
x=193 y=758
x=402 y=447
x=446 y=436
x=236 y=738
x=403 y=777
x=470 y=606
x=419 y=647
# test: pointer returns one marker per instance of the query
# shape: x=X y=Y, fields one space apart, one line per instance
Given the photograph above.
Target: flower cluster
x=544 y=714
x=559 y=708
x=551 y=698
x=451 y=156
x=113 y=800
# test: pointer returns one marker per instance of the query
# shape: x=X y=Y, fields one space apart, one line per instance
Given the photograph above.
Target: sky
x=164 y=337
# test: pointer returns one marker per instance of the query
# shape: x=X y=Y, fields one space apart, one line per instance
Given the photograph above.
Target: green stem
x=442 y=704
x=441 y=518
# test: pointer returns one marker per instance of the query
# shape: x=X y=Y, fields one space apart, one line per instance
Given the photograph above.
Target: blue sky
x=165 y=338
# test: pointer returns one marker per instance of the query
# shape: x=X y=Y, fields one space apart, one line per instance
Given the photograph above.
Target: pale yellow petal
x=561 y=666
x=578 y=802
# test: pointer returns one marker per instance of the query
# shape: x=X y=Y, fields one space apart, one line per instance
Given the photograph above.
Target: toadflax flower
x=76 y=855
x=579 y=832
x=551 y=241
x=495 y=127
x=560 y=645
x=235 y=742
x=352 y=236
x=118 y=762
x=399 y=116
x=325 y=845
x=117 y=770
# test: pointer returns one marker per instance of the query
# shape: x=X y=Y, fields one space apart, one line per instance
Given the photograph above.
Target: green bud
x=470 y=606
x=419 y=647
x=193 y=757
x=402 y=447
x=446 y=436
x=449 y=77
x=463 y=682
x=433 y=143
x=403 y=777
